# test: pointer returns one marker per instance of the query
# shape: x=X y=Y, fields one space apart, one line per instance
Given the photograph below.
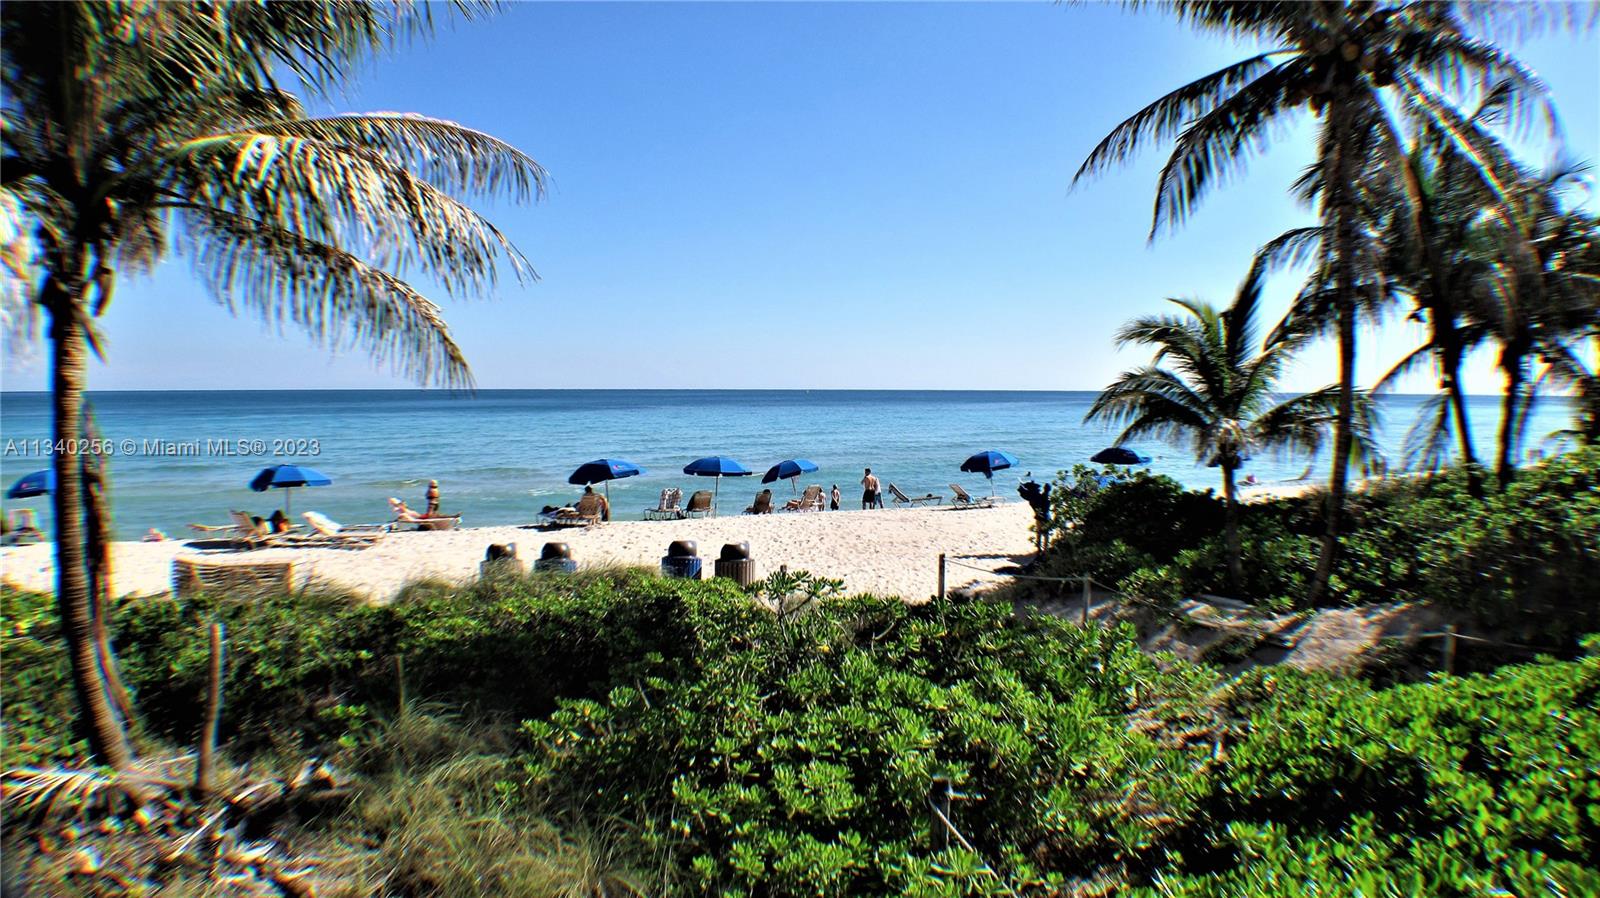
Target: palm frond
x=449 y=156
x=1428 y=441
x=345 y=197
x=1217 y=144
x=1161 y=119
x=330 y=294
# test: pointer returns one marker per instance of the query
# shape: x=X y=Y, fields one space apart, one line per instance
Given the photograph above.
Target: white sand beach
x=888 y=552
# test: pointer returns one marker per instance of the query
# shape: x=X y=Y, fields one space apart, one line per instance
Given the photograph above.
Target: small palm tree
x=133 y=130
x=1340 y=61
x=1209 y=383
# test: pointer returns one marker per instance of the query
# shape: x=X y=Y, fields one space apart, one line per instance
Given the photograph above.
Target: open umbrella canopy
x=287 y=477
x=987 y=462
x=1117 y=455
x=788 y=469
x=39 y=483
x=280 y=477
x=603 y=469
x=716 y=466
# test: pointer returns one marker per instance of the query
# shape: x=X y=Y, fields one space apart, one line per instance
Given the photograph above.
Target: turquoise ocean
x=502 y=455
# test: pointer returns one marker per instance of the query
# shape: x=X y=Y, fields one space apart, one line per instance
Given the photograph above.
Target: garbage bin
x=555 y=557
x=736 y=564
x=501 y=560
x=682 y=560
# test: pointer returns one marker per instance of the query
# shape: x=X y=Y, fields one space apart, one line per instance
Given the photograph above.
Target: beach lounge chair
x=243 y=532
x=762 y=505
x=963 y=500
x=913 y=501
x=326 y=531
x=669 y=508
x=587 y=513
x=809 y=500
x=416 y=521
x=700 y=505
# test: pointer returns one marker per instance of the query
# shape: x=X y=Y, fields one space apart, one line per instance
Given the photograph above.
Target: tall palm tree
x=1542 y=288
x=1429 y=250
x=132 y=131
x=1335 y=60
x=1212 y=382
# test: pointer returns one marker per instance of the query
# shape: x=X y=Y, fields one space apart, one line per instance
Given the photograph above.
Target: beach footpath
x=886 y=552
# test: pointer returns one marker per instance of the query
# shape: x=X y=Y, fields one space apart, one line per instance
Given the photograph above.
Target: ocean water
x=502 y=455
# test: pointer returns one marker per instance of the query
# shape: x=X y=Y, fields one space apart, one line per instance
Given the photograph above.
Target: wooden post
x=1447 y=651
x=941 y=576
x=939 y=812
x=1086 y=599
x=208 y=734
x=400 y=685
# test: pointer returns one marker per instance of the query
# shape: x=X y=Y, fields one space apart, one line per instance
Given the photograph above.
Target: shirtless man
x=869 y=490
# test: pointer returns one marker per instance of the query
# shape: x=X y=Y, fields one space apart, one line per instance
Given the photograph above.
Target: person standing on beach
x=433 y=499
x=869 y=491
x=834 y=497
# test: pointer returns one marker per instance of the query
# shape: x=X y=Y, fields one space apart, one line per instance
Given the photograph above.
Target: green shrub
x=1522 y=561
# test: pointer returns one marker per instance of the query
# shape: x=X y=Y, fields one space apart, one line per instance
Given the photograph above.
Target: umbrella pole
x=716 y=490
x=288 y=493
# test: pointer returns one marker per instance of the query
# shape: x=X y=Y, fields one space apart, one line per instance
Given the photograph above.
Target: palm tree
x=1217 y=391
x=1428 y=248
x=135 y=130
x=1336 y=60
x=1542 y=288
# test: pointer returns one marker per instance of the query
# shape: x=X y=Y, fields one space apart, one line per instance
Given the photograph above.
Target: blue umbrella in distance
x=718 y=466
x=287 y=477
x=1117 y=455
x=986 y=463
x=604 y=470
x=39 y=483
x=790 y=470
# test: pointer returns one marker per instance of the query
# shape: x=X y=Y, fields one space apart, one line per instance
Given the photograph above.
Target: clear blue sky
x=807 y=196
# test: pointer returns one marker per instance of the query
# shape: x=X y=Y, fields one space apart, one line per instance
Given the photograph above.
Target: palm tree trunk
x=107 y=738
x=1505 y=466
x=1451 y=362
x=1340 y=206
x=1230 y=500
x=97 y=517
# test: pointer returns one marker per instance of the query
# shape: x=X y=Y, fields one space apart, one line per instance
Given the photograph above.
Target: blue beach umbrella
x=604 y=470
x=987 y=462
x=39 y=483
x=718 y=466
x=790 y=470
x=287 y=477
x=1118 y=455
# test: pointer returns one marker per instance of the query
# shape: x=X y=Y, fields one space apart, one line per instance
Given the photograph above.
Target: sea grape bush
x=1523 y=559
x=749 y=753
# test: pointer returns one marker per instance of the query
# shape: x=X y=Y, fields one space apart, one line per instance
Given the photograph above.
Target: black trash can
x=501 y=560
x=682 y=561
x=555 y=557
x=736 y=564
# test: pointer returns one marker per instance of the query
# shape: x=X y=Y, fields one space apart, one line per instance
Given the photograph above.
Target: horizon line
x=467 y=393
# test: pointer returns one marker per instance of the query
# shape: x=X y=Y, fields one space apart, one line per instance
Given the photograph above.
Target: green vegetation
x=1522 y=560
x=618 y=733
